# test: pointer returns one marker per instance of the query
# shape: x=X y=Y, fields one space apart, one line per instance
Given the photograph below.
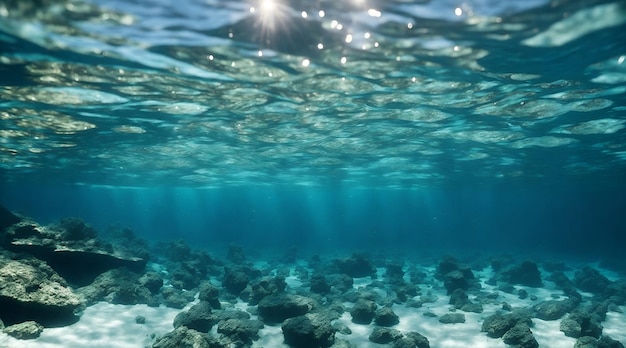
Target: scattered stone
x=276 y=308
x=383 y=335
x=363 y=311
x=309 y=330
x=140 y=319
x=452 y=318
x=183 y=337
x=265 y=287
x=526 y=274
x=586 y=342
x=176 y=298
x=31 y=290
x=198 y=317
x=27 y=330
x=386 y=317
x=209 y=293
x=472 y=307
x=412 y=340
x=235 y=280
x=520 y=336
x=319 y=284
x=553 y=309
x=522 y=294
x=498 y=324
x=151 y=281
x=240 y=330
x=590 y=280
x=355 y=266
x=341 y=282
x=118 y=286
x=579 y=323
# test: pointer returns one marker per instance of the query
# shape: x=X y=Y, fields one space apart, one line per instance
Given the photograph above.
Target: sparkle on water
x=374 y=93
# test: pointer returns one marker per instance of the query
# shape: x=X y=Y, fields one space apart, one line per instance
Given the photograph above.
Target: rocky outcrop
x=527 y=273
x=383 y=335
x=198 y=317
x=70 y=247
x=276 y=308
x=452 y=318
x=355 y=266
x=27 y=330
x=386 y=317
x=31 y=290
x=185 y=337
x=120 y=286
x=241 y=332
x=308 y=331
x=363 y=311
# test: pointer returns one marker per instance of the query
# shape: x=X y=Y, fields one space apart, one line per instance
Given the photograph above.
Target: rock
x=240 y=330
x=342 y=328
x=71 y=248
x=7 y=218
x=355 y=266
x=553 y=309
x=520 y=336
x=526 y=274
x=310 y=330
x=608 y=342
x=140 y=319
x=586 y=342
x=363 y=311
x=581 y=323
x=210 y=293
x=498 y=324
x=175 y=298
x=198 y=317
x=235 y=280
x=472 y=307
x=590 y=280
x=383 y=335
x=319 y=284
x=452 y=318
x=118 y=286
x=458 y=298
x=230 y=314
x=184 y=337
x=522 y=294
x=31 y=290
x=418 y=339
x=27 y=330
x=386 y=317
x=265 y=287
x=151 y=281
x=276 y=308
x=455 y=280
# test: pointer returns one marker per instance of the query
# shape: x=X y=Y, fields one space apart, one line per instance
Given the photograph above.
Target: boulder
x=356 y=266
x=527 y=274
x=240 y=330
x=586 y=342
x=608 y=342
x=581 y=323
x=276 y=308
x=118 y=286
x=363 y=311
x=235 y=280
x=309 y=330
x=184 y=337
x=498 y=324
x=452 y=318
x=383 y=335
x=386 y=317
x=520 y=336
x=31 y=290
x=210 y=293
x=265 y=287
x=198 y=317
x=319 y=284
x=27 y=330
x=71 y=248
x=591 y=280
x=554 y=309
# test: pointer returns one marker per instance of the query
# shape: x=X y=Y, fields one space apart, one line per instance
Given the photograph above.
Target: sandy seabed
x=106 y=325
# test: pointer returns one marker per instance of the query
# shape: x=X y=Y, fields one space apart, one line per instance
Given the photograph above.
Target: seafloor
x=66 y=285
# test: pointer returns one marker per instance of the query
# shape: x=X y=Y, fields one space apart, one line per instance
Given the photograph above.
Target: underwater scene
x=312 y=173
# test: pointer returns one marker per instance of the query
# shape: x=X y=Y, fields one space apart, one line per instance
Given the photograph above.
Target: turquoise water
x=422 y=126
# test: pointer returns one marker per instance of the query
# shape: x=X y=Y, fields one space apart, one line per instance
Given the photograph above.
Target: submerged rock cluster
x=49 y=273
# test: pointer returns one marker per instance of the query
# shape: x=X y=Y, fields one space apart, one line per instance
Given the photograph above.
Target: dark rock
x=383 y=335
x=553 y=309
x=7 y=218
x=586 y=342
x=472 y=307
x=210 y=293
x=151 y=281
x=341 y=282
x=590 y=280
x=412 y=340
x=70 y=248
x=265 y=287
x=175 y=298
x=235 y=280
x=520 y=336
x=27 y=330
x=355 y=266
x=386 y=317
x=342 y=328
x=240 y=330
x=184 y=337
x=458 y=298
x=276 y=308
x=319 y=284
x=522 y=294
x=230 y=314
x=608 y=342
x=363 y=311
x=198 y=317
x=31 y=290
x=452 y=318
x=310 y=330
x=498 y=324
x=455 y=280
x=581 y=323
x=526 y=274
x=140 y=319
x=119 y=286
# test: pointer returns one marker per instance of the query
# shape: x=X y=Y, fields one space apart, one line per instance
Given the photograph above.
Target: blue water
x=421 y=127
